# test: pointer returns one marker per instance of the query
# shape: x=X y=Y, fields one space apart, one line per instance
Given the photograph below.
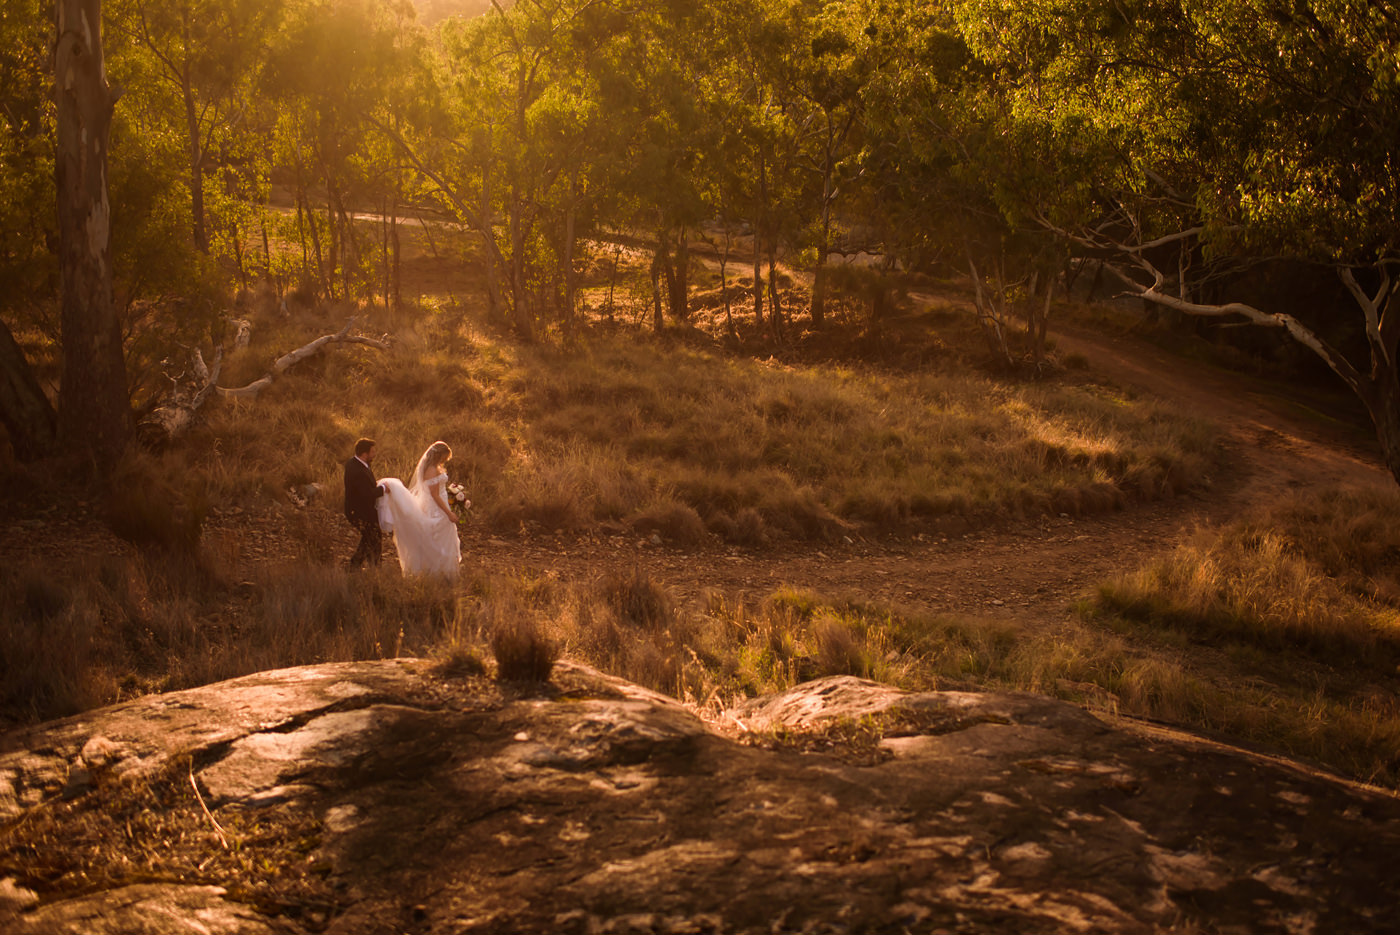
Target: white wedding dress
x=425 y=536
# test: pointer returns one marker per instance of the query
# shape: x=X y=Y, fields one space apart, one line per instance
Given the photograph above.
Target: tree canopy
x=1186 y=142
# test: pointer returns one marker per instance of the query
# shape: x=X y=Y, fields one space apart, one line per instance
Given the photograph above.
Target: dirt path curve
x=1025 y=572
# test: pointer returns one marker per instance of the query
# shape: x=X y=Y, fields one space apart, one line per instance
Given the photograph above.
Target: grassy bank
x=679 y=437
x=1281 y=633
x=1278 y=632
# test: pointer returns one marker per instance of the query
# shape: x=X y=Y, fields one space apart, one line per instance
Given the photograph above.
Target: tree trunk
x=724 y=287
x=819 y=294
x=664 y=269
x=333 y=247
x=523 y=323
x=196 y=157
x=760 y=223
x=395 y=253
x=94 y=416
x=1382 y=399
x=24 y=409
x=658 y=321
x=679 y=279
x=824 y=242
x=570 y=284
x=757 y=280
x=267 y=247
x=495 y=307
x=386 y=268
x=775 y=308
x=612 y=280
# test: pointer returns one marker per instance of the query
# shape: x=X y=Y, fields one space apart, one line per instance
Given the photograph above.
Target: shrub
x=523 y=653
x=638 y=600
x=145 y=507
x=674 y=522
x=839 y=651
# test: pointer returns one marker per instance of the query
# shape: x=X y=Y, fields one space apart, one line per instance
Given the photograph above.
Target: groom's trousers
x=371 y=547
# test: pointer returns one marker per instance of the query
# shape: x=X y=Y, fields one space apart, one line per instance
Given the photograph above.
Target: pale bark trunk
x=1383 y=403
x=760 y=224
x=775 y=308
x=570 y=286
x=679 y=280
x=523 y=323
x=94 y=412
x=824 y=242
x=757 y=280
x=658 y=320
x=196 y=158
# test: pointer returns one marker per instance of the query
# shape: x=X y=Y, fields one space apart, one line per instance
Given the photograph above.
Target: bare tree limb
x=1372 y=308
x=1295 y=328
x=173 y=418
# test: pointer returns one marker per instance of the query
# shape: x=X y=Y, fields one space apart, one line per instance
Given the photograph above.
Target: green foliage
x=27 y=201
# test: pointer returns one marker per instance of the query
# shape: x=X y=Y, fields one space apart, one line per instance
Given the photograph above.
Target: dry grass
x=523 y=653
x=1282 y=629
x=682 y=439
x=1279 y=633
x=156 y=621
x=1314 y=573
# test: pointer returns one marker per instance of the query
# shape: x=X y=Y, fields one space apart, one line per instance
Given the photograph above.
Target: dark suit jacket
x=361 y=491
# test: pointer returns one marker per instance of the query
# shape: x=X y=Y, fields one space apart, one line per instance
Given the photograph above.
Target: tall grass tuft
x=154 y=506
x=1297 y=578
x=523 y=652
x=637 y=600
x=1282 y=629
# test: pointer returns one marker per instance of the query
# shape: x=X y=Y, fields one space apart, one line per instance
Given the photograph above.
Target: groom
x=361 y=492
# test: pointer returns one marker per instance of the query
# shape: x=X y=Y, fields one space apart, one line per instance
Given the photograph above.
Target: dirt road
x=1028 y=572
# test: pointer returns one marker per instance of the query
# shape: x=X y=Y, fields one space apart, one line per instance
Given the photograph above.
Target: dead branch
x=172 y=418
x=286 y=361
x=242 y=332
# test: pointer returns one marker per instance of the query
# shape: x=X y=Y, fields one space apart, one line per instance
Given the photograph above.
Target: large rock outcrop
x=388 y=797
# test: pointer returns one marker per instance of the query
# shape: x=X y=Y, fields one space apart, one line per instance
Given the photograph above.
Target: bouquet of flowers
x=457 y=499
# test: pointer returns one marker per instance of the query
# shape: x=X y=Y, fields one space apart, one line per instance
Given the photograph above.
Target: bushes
x=523 y=653
x=152 y=506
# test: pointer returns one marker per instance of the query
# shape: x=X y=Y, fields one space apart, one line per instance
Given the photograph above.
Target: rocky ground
x=389 y=797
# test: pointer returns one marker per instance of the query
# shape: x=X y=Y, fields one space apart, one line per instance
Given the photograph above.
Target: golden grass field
x=1274 y=627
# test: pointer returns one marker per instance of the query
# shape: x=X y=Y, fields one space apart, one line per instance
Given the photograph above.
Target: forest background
x=716 y=167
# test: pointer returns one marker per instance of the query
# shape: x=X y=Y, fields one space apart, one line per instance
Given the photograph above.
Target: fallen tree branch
x=173 y=418
x=286 y=361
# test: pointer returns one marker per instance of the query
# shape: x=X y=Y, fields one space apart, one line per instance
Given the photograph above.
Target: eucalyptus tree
x=196 y=62
x=341 y=72
x=1187 y=137
x=540 y=90
x=833 y=67
x=758 y=107
x=93 y=414
x=501 y=65
x=660 y=81
x=409 y=101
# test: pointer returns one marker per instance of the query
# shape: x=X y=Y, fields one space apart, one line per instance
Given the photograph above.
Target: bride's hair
x=437 y=454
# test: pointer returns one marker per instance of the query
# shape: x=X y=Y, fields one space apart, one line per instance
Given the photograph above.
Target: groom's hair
x=363 y=445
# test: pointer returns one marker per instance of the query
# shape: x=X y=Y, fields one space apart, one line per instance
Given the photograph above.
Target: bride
x=424 y=527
